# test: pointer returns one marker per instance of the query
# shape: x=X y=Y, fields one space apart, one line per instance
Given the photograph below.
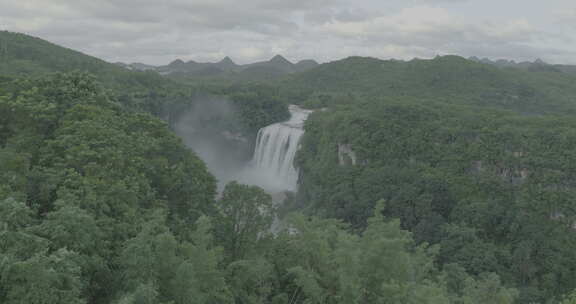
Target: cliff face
x=346 y=156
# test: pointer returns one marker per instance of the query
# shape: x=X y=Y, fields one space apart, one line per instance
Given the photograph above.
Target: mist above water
x=212 y=129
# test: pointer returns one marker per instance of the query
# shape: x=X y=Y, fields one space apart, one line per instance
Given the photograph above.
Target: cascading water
x=225 y=152
x=276 y=146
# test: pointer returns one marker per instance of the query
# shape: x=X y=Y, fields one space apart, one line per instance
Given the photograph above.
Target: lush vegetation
x=101 y=205
x=493 y=187
x=448 y=79
x=22 y=55
x=81 y=178
x=440 y=181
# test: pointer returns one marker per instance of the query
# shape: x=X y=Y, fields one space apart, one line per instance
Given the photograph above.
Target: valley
x=441 y=180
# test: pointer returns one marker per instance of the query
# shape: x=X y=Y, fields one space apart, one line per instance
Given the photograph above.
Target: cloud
x=439 y=1
x=427 y=31
x=160 y=31
x=430 y=24
x=194 y=15
x=114 y=29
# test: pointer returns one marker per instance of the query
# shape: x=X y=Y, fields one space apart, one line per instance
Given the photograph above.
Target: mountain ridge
x=275 y=67
x=542 y=88
x=25 y=55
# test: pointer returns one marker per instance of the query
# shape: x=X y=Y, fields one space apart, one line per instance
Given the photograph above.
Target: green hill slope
x=450 y=78
x=24 y=55
x=475 y=158
x=99 y=204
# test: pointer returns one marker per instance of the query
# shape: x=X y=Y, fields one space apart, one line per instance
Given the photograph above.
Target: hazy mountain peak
x=539 y=61
x=227 y=60
x=141 y=66
x=177 y=62
x=279 y=59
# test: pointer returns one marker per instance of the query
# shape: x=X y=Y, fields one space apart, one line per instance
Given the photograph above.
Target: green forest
x=424 y=181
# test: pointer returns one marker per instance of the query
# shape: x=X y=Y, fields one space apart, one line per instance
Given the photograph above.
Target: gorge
x=270 y=165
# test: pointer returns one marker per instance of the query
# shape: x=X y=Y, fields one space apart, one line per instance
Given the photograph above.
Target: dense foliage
x=140 y=91
x=426 y=180
x=492 y=187
x=449 y=79
x=80 y=179
x=101 y=205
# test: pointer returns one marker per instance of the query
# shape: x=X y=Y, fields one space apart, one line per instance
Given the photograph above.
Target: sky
x=160 y=31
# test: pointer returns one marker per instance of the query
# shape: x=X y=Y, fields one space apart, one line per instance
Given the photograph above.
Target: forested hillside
x=144 y=91
x=449 y=79
x=23 y=55
x=80 y=179
x=102 y=205
x=429 y=181
x=471 y=157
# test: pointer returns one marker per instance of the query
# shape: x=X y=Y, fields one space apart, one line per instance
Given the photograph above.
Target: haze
x=211 y=128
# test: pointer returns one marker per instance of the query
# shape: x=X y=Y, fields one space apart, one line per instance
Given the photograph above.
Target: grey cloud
x=429 y=31
x=352 y=15
x=211 y=14
x=192 y=15
x=113 y=28
x=439 y=1
x=160 y=31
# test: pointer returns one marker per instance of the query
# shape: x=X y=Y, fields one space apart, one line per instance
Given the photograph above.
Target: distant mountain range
x=536 y=65
x=508 y=63
x=273 y=68
x=527 y=88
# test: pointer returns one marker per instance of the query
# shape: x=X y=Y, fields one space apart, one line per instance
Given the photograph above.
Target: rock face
x=346 y=156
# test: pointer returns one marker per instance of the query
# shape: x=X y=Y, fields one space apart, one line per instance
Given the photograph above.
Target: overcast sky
x=159 y=31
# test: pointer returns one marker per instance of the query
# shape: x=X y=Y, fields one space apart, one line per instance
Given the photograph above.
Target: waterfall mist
x=212 y=129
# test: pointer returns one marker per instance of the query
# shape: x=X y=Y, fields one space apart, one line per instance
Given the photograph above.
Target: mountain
x=100 y=173
x=274 y=68
x=451 y=78
x=24 y=55
x=304 y=65
x=470 y=156
x=474 y=159
x=278 y=63
x=536 y=65
x=226 y=64
x=141 y=66
x=136 y=86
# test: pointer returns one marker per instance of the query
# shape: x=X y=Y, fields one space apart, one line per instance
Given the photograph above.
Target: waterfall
x=225 y=152
x=276 y=146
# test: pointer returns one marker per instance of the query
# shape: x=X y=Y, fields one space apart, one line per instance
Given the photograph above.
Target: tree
x=382 y=265
x=246 y=215
x=43 y=278
x=177 y=271
x=251 y=281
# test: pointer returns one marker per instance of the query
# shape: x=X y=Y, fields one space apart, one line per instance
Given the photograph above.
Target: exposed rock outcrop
x=346 y=156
